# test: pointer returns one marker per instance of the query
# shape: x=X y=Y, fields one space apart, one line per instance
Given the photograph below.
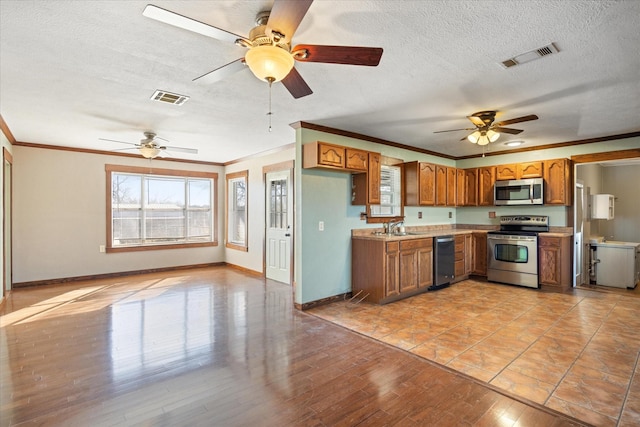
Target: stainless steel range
x=513 y=251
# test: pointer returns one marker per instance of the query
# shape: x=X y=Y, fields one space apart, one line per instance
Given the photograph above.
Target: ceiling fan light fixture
x=474 y=137
x=493 y=135
x=269 y=63
x=149 y=152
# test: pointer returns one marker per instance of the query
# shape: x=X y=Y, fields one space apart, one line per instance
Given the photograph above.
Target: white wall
x=4 y=144
x=59 y=218
x=253 y=258
x=623 y=183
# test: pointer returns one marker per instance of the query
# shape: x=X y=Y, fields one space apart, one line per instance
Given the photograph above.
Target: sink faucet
x=391 y=226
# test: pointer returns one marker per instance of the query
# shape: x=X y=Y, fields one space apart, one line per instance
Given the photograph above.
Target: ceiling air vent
x=168 y=97
x=530 y=56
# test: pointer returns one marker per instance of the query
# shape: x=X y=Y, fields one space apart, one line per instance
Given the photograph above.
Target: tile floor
x=576 y=353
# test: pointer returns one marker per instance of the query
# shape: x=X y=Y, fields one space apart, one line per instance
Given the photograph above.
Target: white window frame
x=237 y=215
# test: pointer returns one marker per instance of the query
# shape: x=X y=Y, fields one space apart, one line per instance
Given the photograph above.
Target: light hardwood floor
x=575 y=352
x=217 y=347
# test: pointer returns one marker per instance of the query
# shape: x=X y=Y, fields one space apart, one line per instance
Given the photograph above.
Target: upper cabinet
x=320 y=154
x=471 y=187
x=519 y=171
x=428 y=184
x=557 y=181
x=356 y=159
x=486 y=179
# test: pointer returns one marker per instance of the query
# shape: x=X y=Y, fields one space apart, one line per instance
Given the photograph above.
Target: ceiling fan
x=486 y=130
x=150 y=148
x=270 y=56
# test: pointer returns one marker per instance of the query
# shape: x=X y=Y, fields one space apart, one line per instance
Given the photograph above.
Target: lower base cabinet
x=383 y=271
x=479 y=254
x=554 y=261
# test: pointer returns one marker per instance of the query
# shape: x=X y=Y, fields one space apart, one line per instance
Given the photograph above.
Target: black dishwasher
x=443 y=262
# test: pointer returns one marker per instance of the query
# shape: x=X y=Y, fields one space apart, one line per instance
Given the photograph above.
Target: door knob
x=287 y=235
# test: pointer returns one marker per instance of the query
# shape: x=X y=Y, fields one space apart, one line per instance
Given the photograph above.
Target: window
x=237 y=192
x=159 y=208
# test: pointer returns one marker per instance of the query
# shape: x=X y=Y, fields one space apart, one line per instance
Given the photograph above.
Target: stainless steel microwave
x=518 y=192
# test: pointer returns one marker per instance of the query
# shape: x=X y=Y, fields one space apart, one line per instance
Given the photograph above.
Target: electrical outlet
x=321 y=226
x=450 y=214
x=419 y=215
x=492 y=214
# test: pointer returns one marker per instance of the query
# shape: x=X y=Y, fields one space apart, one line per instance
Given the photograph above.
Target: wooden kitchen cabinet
x=319 y=154
x=557 y=181
x=528 y=170
x=461 y=188
x=504 y=172
x=366 y=186
x=486 y=179
x=392 y=263
x=416 y=264
x=441 y=185
x=451 y=186
x=471 y=187
x=523 y=170
x=554 y=261
x=479 y=251
x=356 y=159
x=388 y=271
x=462 y=266
x=420 y=184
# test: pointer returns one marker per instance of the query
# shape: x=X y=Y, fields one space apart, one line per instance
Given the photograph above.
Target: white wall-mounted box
x=602 y=206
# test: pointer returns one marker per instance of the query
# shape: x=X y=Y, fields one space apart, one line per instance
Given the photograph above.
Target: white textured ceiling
x=72 y=72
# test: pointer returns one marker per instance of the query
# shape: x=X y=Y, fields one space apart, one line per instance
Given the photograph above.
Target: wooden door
x=427 y=184
x=392 y=279
x=557 y=181
x=479 y=249
x=528 y=170
x=425 y=266
x=461 y=188
x=486 y=179
x=504 y=172
x=373 y=179
x=471 y=187
x=451 y=186
x=441 y=185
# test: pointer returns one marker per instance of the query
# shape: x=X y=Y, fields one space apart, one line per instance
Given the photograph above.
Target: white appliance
x=602 y=206
x=617 y=263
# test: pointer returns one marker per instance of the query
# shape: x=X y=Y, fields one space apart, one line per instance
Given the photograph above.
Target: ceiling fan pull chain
x=270 y=80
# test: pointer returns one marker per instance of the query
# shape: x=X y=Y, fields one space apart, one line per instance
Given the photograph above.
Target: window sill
x=237 y=247
x=159 y=247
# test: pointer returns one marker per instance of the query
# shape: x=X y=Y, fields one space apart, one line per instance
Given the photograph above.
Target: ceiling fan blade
x=506 y=130
x=350 y=55
x=180 y=21
x=285 y=16
x=518 y=120
x=222 y=72
x=296 y=85
x=453 y=130
x=180 y=149
x=476 y=121
x=119 y=142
